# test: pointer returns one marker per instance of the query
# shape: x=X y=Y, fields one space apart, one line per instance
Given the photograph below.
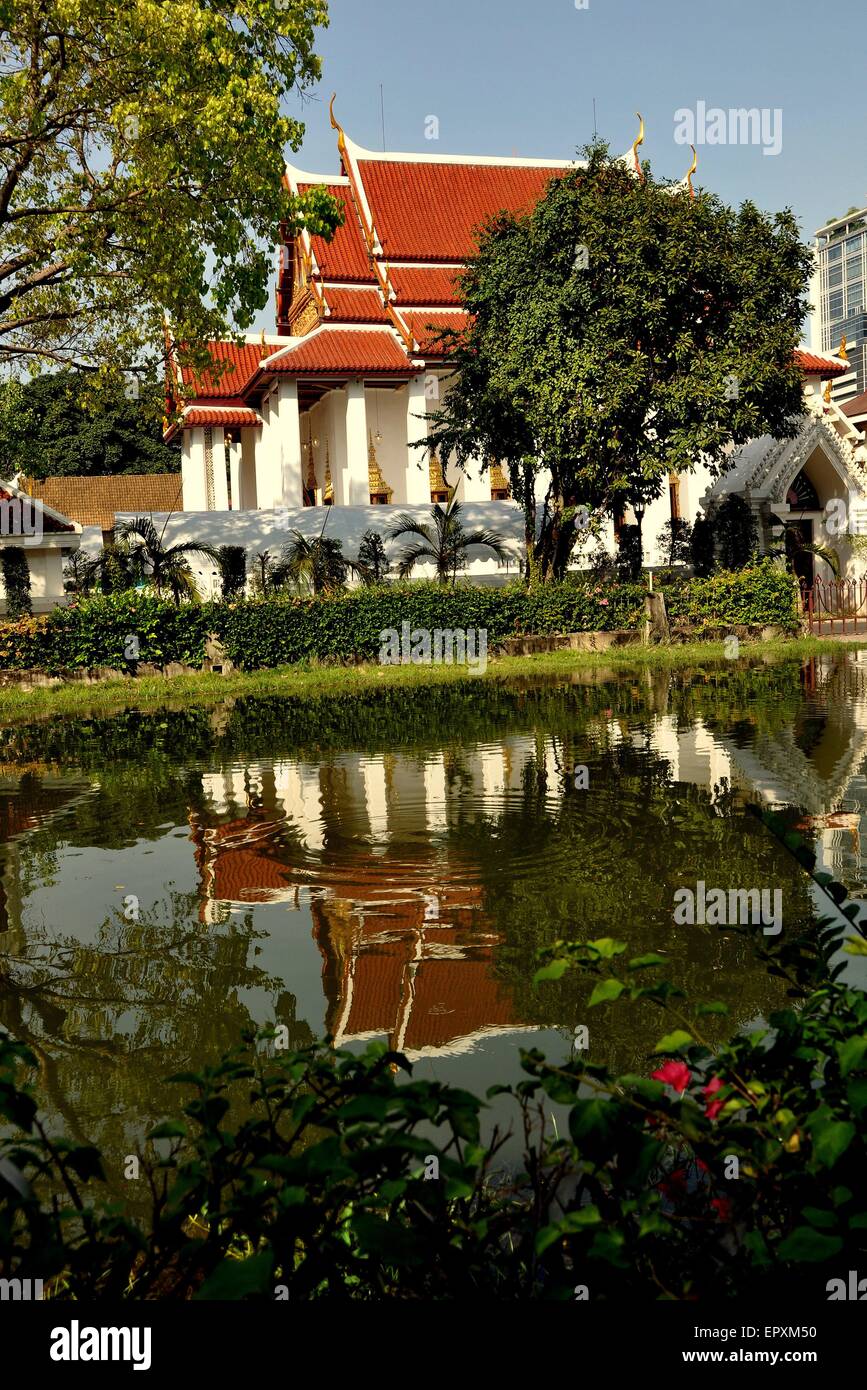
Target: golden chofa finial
x=690 y=171
x=826 y=394
x=335 y=125
x=638 y=141
x=841 y=351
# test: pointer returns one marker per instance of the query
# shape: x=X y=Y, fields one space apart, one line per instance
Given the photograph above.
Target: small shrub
x=629 y=558
x=702 y=547
x=16 y=580
x=735 y=531
x=675 y=542
x=232 y=562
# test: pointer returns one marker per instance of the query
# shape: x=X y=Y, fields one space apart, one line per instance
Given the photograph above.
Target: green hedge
x=762 y=594
x=95 y=632
x=281 y=631
x=277 y=632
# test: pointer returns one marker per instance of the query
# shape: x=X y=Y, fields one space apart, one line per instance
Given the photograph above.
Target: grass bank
x=344 y=682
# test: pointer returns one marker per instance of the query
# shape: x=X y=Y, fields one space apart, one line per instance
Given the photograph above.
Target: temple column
x=216 y=482
x=193 y=471
x=248 y=448
x=292 y=480
x=233 y=453
x=356 y=483
x=268 y=454
x=417 y=469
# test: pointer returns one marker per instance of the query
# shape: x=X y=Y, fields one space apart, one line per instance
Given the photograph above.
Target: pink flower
x=603 y=602
x=713 y=1107
x=674 y=1074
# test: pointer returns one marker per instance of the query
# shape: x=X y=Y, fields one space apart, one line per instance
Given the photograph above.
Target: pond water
x=390 y=866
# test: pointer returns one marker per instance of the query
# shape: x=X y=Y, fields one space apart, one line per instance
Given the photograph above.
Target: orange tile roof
x=428 y=324
x=243 y=360
x=812 y=362
x=432 y=284
x=94 y=501
x=345 y=256
x=338 y=351
x=231 y=413
x=433 y=211
x=354 y=306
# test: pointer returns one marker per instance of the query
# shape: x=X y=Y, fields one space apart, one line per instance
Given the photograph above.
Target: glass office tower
x=841 y=248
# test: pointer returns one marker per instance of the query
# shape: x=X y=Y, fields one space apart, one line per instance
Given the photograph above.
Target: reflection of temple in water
x=372 y=846
x=397 y=915
x=814 y=762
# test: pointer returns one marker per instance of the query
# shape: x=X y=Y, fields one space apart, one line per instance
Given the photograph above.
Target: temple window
x=801 y=495
x=674 y=496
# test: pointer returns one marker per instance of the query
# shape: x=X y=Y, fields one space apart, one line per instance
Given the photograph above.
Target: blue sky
x=519 y=77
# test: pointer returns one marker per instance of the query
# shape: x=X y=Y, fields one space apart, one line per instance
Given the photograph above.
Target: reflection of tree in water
x=608 y=864
x=110 y=1020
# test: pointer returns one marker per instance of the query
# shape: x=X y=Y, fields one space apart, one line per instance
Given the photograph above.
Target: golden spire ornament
x=639 y=140
x=376 y=483
x=437 y=478
x=690 y=171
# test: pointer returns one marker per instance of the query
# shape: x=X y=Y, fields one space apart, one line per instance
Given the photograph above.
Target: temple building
x=330 y=410
x=325 y=420
x=327 y=410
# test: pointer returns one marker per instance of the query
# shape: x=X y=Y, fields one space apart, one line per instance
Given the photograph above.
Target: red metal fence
x=832 y=603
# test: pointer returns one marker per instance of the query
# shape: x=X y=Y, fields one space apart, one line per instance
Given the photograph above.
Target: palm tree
x=445 y=543
x=166 y=566
x=318 y=565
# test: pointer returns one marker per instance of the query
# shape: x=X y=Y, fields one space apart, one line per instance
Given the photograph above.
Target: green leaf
x=817 y=1217
x=554 y=970
x=646 y=961
x=236 y=1279
x=806 y=1246
x=606 y=947
x=851 y=1054
x=605 y=991
x=831 y=1138
x=856 y=1094
x=673 y=1042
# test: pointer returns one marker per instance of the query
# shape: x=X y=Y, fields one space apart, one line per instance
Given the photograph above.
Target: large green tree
x=66 y=422
x=619 y=331
x=141 y=169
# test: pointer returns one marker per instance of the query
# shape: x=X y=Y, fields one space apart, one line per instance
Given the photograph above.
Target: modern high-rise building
x=839 y=305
